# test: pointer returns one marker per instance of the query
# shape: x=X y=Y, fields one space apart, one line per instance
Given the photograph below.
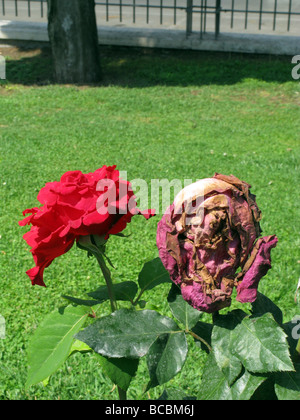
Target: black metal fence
x=263 y=8
x=25 y=6
x=272 y=16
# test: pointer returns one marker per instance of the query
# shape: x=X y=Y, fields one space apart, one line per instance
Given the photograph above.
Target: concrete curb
x=164 y=38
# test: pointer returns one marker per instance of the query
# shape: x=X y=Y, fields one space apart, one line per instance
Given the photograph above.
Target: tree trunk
x=73 y=36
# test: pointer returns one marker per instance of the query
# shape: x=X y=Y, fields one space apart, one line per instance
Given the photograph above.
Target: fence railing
x=265 y=16
x=25 y=6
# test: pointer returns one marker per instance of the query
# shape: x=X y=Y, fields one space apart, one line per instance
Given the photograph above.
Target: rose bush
x=202 y=246
x=211 y=230
x=97 y=203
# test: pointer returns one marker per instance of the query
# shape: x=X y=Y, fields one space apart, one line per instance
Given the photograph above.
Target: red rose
x=98 y=203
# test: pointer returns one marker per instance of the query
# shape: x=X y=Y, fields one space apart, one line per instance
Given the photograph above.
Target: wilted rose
x=97 y=203
x=209 y=241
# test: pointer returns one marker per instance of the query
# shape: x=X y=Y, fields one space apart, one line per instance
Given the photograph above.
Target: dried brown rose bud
x=209 y=232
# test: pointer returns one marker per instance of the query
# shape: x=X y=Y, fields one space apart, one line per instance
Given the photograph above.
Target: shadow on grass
x=31 y=64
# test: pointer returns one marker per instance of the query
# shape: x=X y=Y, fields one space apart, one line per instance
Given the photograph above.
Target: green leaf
x=166 y=358
x=263 y=305
x=266 y=391
x=79 y=347
x=125 y=291
x=215 y=386
x=142 y=304
x=83 y=302
x=222 y=342
x=260 y=344
x=287 y=385
x=245 y=386
x=52 y=341
x=290 y=328
x=126 y=333
x=120 y=371
x=153 y=273
x=181 y=310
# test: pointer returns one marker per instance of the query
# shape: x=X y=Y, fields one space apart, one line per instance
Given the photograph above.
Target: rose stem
x=113 y=302
x=108 y=280
x=200 y=339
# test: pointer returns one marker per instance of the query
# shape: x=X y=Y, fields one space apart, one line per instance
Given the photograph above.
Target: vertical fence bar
x=107 y=11
x=161 y=12
x=189 y=17
x=201 y=19
x=175 y=11
x=133 y=11
x=16 y=7
x=42 y=8
x=218 y=18
x=147 y=18
x=260 y=14
x=121 y=10
x=232 y=13
x=246 y=14
x=275 y=15
x=3 y=8
x=29 y=8
x=205 y=15
x=289 y=16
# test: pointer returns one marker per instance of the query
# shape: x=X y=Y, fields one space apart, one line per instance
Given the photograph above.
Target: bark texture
x=73 y=36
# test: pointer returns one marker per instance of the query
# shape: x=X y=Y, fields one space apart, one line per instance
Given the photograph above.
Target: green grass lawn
x=158 y=114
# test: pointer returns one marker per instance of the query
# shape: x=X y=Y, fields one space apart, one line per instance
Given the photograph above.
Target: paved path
x=159 y=18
